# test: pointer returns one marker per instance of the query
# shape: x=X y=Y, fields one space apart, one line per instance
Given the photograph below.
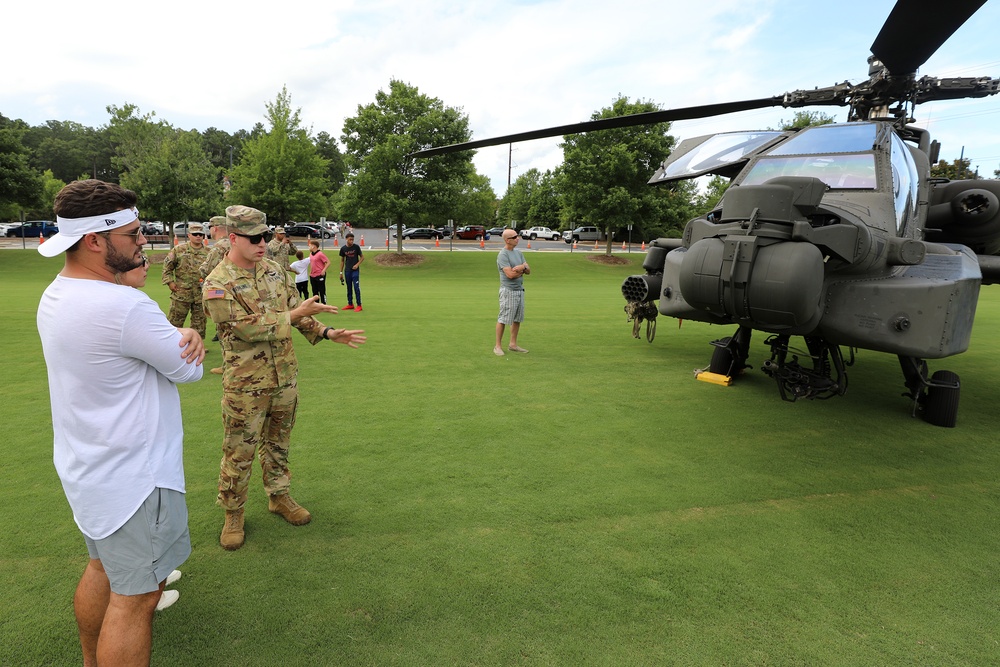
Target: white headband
x=96 y=223
x=72 y=230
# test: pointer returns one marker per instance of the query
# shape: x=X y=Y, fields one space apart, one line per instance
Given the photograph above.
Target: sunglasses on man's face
x=257 y=238
x=195 y=234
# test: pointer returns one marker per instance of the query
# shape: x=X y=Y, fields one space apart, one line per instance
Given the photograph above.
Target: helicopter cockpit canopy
x=841 y=156
x=723 y=154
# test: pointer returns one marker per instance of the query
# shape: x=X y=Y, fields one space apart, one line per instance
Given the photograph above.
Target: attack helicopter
x=836 y=234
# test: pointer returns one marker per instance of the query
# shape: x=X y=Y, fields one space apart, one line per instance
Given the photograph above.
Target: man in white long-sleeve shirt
x=113 y=363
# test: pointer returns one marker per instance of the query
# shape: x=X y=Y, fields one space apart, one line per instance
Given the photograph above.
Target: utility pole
x=510 y=157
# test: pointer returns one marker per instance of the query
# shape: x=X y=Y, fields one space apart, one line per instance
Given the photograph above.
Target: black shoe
x=215 y=338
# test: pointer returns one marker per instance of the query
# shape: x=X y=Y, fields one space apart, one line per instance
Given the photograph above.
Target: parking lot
x=376 y=239
x=379 y=239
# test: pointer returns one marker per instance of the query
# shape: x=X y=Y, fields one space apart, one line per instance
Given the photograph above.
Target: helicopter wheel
x=941 y=403
x=722 y=359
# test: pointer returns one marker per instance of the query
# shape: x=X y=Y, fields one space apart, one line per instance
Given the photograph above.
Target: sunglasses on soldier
x=257 y=238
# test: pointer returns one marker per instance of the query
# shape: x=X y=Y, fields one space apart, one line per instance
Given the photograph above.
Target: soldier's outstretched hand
x=311 y=306
x=349 y=337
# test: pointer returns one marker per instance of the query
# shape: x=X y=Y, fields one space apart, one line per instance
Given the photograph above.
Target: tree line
x=293 y=174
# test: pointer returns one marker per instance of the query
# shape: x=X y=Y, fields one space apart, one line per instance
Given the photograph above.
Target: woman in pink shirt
x=317 y=270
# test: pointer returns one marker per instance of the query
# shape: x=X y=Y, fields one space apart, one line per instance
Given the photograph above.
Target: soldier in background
x=280 y=247
x=220 y=247
x=255 y=305
x=181 y=273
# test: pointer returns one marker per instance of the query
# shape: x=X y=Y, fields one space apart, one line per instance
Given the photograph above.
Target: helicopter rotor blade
x=647 y=118
x=916 y=29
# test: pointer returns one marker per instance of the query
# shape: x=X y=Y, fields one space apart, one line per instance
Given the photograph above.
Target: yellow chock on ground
x=714 y=378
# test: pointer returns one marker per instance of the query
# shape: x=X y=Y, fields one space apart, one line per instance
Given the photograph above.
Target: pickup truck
x=539 y=232
x=582 y=234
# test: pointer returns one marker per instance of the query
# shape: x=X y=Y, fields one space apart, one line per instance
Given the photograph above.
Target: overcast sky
x=510 y=66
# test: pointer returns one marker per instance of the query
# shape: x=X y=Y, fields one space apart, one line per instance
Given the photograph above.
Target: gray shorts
x=511 y=306
x=148 y=547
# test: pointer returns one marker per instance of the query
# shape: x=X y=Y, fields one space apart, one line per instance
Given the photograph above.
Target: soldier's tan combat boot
x=232 y=533
x=291 y=511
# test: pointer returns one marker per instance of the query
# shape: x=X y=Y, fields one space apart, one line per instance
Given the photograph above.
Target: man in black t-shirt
x=350 y=271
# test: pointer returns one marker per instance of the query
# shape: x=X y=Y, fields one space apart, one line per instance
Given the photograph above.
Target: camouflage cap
x=196 y=228
x=217 y=220
x=279 y=230
x=246 y=220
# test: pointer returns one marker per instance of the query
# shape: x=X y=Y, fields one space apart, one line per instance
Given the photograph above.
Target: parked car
x=180 y=229
x=539 y=232
x=422 y=233
x=308 y=229
x=495 y=231
x=34 y=228
x=477 y=232
x=152 y=228
x=582 y=234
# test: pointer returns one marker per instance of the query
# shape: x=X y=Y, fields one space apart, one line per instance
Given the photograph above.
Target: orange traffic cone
x=574 y=245
x=177 y=240
x=482 y=243
x=595 y=245
x=362 y=241
x=387 y=242
x=529 y=245
x=335 y=243
x=623 y=245
x=437 y=242
x=643 y=245
x=41 y=238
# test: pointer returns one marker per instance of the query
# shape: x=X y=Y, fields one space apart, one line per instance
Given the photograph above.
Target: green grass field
x=589 y=503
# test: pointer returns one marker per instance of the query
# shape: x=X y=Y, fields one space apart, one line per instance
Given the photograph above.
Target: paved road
x=375 y=239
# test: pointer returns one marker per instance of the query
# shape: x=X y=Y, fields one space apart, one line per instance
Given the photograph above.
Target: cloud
x=510 y=66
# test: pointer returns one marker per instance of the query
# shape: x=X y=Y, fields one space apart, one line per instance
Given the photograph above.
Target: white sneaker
x=172 y=577
x=167 y=598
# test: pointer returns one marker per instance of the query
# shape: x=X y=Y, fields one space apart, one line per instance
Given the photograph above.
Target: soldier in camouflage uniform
x=181 y=274
x=280 y=248
x=255 y=305
x=220 y=234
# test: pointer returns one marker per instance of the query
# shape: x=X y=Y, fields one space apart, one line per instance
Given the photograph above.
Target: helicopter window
x=722 y=149
x=844 y=171
x=904 y=184
x=848 y=138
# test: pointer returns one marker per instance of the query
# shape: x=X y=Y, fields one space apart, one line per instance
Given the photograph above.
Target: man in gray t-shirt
x=512 y=268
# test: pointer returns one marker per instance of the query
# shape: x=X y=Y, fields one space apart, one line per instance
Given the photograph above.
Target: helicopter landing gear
x=825 y=378
x=730 y=355
x=936 y=398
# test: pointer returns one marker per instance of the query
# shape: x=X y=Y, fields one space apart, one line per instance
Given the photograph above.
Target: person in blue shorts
x=512 y=267
x=114 y=362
